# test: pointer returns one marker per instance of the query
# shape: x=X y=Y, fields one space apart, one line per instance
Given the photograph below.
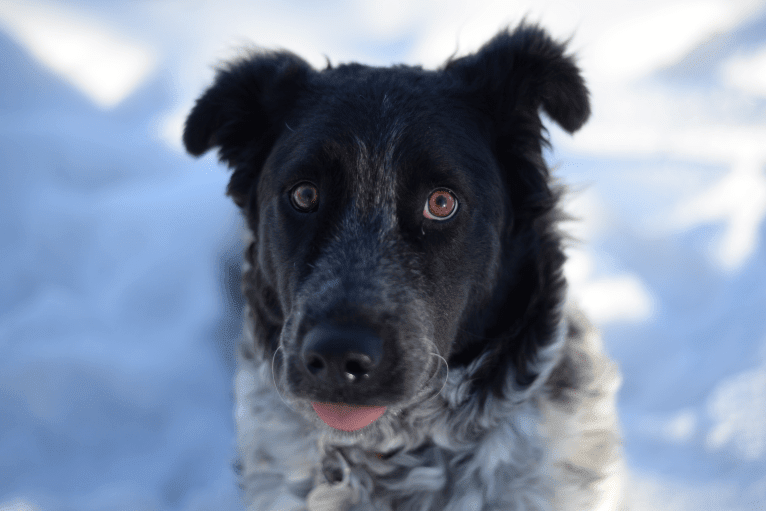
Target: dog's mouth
x=347 y=417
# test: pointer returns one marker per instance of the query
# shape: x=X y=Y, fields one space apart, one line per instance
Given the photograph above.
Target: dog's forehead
x=377 y=136
x=372 y=124
x=374 y=173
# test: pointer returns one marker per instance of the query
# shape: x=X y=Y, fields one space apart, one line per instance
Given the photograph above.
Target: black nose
x=341 y=354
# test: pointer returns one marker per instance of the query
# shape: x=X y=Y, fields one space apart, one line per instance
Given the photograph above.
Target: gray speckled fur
x=524 y=416
x=554 y=446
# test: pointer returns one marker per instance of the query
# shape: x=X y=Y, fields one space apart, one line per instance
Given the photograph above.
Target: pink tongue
x=347 y=417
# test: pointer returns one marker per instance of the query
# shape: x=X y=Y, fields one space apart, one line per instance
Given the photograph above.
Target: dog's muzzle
x=338 y=355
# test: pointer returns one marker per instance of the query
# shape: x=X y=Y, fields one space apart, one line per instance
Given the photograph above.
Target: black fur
x=375 y=142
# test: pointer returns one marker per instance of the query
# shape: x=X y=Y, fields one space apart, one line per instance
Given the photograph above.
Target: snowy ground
x=118 y=289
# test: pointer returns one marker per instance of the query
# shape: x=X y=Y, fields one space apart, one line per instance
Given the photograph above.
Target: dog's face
x=398 y=214
x=371 y=229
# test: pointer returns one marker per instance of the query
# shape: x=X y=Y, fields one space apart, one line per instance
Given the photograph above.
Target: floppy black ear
x=243 y=112
x=509 y=80
x=526 y=69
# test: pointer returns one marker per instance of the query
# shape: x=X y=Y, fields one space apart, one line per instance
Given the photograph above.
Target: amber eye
x=441 y=205
x=305 y=197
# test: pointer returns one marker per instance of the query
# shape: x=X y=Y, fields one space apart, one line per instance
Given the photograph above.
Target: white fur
x=527 y=453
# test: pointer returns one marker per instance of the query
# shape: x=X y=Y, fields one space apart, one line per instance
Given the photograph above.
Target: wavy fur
x=497 y=396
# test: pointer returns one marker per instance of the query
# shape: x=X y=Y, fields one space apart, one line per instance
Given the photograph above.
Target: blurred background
x=119 y=254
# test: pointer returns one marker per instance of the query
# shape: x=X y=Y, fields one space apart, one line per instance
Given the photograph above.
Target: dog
x=409 y=344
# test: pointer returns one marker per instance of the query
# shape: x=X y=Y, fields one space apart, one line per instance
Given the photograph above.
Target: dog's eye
x=305 y=197
x=441 y=205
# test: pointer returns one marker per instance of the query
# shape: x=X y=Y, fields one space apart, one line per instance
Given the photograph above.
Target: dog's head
x=397 y=213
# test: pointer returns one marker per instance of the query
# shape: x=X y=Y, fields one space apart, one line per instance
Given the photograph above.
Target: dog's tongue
x=347 y=417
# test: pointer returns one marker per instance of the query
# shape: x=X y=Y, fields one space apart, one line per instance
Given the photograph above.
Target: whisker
x=435 y=352
x=274 y=377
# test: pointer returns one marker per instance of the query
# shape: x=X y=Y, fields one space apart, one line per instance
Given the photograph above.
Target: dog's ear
x=522 y=70
x=244 y=111
x=509 y=80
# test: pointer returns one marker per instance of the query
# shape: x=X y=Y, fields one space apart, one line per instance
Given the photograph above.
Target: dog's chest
x=283 y=468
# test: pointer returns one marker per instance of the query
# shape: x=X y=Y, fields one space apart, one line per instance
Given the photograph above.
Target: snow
x=119 y=294
x=738 y=407
x=747 y=72
x=667 y=32
x=92 y=58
